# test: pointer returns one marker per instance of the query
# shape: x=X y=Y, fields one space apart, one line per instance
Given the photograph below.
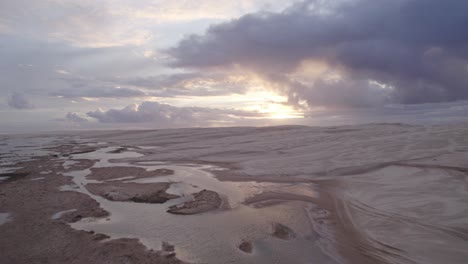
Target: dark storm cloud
x=417 y=48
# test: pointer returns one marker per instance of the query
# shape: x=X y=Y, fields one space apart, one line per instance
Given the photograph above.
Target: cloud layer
x=245 y=62
x=165 y=115
x=372 y=52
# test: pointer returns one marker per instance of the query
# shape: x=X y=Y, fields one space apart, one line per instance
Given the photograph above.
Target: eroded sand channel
x=209 y=237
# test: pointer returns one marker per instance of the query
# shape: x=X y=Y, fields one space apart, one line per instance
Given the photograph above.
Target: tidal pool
x=211 y=237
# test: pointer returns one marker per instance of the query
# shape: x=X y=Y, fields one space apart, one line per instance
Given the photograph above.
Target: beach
x=376 y=193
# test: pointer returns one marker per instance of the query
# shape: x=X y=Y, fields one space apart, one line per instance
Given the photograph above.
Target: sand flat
x=379 y=193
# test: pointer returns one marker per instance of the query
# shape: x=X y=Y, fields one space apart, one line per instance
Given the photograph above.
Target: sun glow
x=272 y=105
x=262 y=102
x=282 y=113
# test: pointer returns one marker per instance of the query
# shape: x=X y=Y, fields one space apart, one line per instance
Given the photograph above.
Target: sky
x=140 y=64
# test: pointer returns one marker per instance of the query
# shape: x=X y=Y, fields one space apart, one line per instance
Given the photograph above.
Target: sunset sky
x=130 y=64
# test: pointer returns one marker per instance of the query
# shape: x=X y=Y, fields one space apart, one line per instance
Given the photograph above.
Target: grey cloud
x=58 y=69
x=169 y=80
x=165 y=115
x=33 y=66
x=424 y=113
x=188 y=84
x=74 y=117
x=419 y=48
x=19 y=101
x=100 y=92
x=165 y=85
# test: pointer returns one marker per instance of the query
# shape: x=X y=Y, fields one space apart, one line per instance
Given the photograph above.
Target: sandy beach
x=378 y=193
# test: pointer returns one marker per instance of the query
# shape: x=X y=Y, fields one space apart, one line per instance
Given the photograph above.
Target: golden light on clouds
x=271 y=105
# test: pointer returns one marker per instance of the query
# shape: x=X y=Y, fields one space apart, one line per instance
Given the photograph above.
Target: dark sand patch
x=246 y=247
x=167 y=247
x=204 y=201
x=277 y=197
x=98 y=236
x=167 y=250
x=84 y=151
x=132 y=192
x=104 y=174
x=118 y=150
x=66 y=150
x=13 y=176
x=283 y=232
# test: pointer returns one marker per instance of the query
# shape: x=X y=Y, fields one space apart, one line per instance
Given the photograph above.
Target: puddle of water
x=4 y=178
x=214 y=237
x=122 y=178
x=59 y=214
x=104 y=157
x=187 y=180
x=149 y=163
x=68 y=163
x=210 y=237
x=5 y=217
x=8 y=169
x=71 y=187
x=100 y=143
x=38 y=179
x=23 y=148
x=148 y=147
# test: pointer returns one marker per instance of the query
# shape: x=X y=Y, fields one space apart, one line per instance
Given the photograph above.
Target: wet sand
x=132 y=192
x=203 y=201
x=362 y=194
x=33 y=236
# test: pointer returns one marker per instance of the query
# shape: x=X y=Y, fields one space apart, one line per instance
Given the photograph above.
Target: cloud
x=165 y=115
x=88 y=23
x=36 y=66
x=360 y=57
x=100 y=92
x=75 y=117
x=19 y=101
x=191 y=84
x=57 y=69
x=163 y=85
x=373 y=52
x=83 y=23
x=427 y=114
